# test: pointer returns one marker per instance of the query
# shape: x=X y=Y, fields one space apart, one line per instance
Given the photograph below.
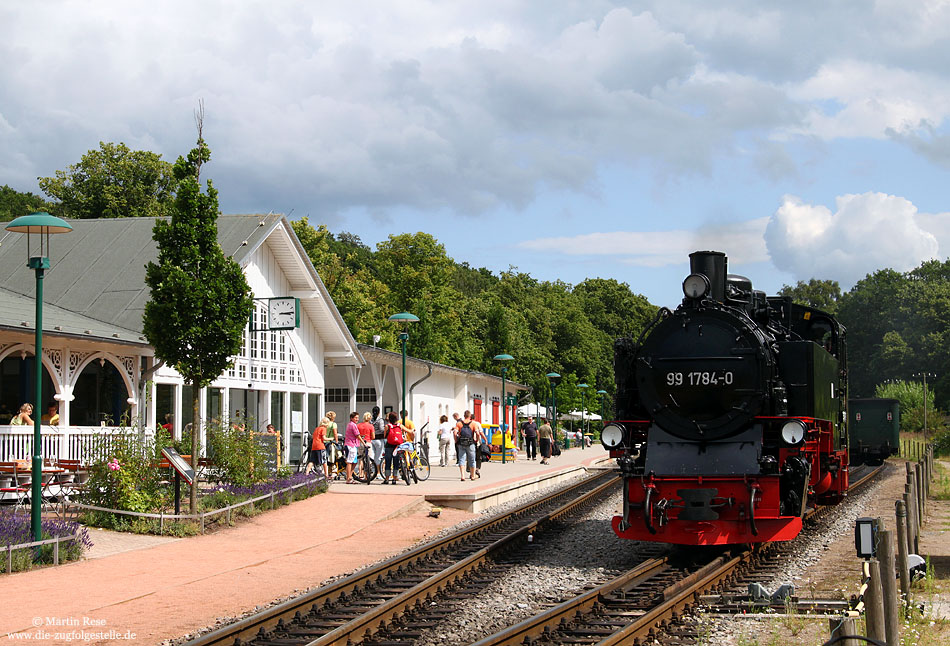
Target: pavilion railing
x=61 y=443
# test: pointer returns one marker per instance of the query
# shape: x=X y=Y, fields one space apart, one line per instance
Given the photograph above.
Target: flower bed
x=15 y=532
x=217 y=506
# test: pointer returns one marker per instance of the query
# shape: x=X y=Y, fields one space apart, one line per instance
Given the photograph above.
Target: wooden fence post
x=918 y=481
x=874 y=603
x=843 y=626
x=885 y=552
x=902 y=567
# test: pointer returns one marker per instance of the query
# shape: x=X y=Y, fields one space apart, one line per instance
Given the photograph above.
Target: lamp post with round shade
x=554 y=378
x=41 y=225
x=504 y=358
x=583 y=388
x=405 y=318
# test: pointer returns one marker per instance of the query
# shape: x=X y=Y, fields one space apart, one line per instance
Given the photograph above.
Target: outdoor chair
x=17 y=479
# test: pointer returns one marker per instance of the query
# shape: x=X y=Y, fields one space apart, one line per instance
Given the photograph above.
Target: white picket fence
x=60 y=443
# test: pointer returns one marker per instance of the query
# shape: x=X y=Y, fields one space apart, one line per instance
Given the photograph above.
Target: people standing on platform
x=529 y=432
x=333 y=433
x=465 y=446
x=366 y=432
x=446 y=434
x=546 y=435
x=408 y=427
x=22 y=418
x=379 y=437
x=351 y=442
x=480 y=438
x=394 y=437
x=318 y=449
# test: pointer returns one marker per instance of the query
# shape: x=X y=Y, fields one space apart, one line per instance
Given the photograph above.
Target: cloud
x=741 y=241
x=865 y=233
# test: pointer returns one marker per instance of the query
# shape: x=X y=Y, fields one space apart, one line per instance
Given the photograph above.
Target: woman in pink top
x=351 y=440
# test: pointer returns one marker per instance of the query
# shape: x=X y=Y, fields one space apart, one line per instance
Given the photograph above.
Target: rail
x=454 y=548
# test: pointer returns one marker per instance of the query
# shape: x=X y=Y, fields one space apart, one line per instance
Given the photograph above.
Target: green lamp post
x=504 y=399
x=405 y=318
x=603 y=395
x=554 y=378
x=583 y=388
x=41 y=225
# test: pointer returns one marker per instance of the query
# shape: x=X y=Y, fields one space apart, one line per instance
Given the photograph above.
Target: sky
x=566 y=139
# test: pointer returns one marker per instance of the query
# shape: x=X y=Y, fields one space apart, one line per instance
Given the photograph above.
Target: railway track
x=360 y=605
x=649 y=599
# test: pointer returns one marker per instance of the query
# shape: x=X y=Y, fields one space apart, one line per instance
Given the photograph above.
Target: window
x=366 y=395
x=338 y=395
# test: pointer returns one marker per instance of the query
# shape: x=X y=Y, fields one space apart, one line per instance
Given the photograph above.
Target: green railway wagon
x=874 y=429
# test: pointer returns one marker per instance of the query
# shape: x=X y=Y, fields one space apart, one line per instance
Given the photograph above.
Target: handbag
x=555 y=450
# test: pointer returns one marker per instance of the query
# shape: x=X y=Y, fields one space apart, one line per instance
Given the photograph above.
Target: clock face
x=282 y=313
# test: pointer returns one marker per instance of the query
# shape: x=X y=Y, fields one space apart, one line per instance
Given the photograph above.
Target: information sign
x=179 y=465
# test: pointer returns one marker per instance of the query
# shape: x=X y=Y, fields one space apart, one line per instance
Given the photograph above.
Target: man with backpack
x=465 y=439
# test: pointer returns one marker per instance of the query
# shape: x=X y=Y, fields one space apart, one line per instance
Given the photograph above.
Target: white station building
x=298 y=359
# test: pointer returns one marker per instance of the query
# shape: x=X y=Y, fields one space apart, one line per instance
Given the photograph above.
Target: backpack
x=379 y=428
x=394 y=436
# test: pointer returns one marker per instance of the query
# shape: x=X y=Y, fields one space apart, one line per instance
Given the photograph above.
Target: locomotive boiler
x=731 y=415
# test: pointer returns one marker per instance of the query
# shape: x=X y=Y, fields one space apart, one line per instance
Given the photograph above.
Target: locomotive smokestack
x=711 y=264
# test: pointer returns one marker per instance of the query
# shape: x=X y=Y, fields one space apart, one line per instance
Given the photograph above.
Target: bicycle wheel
x=412 y=470
x=404 y=468
x=369 y=469
x=361 y=471
x=422 y=467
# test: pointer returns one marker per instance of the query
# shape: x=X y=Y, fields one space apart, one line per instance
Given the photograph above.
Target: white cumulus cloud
x=866 y=232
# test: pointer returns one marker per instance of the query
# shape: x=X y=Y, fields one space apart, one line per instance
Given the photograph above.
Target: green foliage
x=112 y=182
x=910 y=394
x=123 y=473
x=200 y=300
x=820 y=294
x=235 y=454
x=468 y=315
x=13 y=203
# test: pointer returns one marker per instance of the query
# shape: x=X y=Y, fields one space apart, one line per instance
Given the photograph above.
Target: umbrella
x=532 y=410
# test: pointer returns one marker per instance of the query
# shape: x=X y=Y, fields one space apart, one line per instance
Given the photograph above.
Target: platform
x=499 y=482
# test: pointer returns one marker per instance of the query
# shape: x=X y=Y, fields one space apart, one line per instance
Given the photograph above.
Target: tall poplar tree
x=200 y=300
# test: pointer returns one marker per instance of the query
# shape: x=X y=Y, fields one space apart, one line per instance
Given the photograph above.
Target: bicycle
x=365 y=470
x=420 y=464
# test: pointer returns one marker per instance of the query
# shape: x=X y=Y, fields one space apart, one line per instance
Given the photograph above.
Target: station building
x=102 y=375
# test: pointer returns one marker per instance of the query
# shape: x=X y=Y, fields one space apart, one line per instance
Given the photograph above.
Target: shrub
x=235 y=453
x=123 y=473
x=16 y=529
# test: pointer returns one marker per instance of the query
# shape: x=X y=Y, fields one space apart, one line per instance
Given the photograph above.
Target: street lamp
x=603 y=395
x=554 y=378
x=42 y=225
x=405 y=318
x=504 y=399
x=583 y=388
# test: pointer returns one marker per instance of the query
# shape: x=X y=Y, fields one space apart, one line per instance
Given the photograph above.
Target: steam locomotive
x=731 y=415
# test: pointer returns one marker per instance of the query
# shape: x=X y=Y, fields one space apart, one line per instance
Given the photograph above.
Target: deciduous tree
x=200 y=300
x=112 y=182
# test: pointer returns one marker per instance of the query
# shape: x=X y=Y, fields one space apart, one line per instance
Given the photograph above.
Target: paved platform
x=139 y=590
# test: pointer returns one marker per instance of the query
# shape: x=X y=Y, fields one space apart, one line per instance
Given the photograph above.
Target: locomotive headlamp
x=612 y=436
x=793 y=432
x=695 y=286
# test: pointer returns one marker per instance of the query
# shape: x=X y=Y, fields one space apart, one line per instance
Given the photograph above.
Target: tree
x=820 y=294
x=113 y=182
x=13 y=203
x=200 y=300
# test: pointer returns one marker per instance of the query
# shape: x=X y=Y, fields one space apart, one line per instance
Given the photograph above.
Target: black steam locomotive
x=731 y=415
